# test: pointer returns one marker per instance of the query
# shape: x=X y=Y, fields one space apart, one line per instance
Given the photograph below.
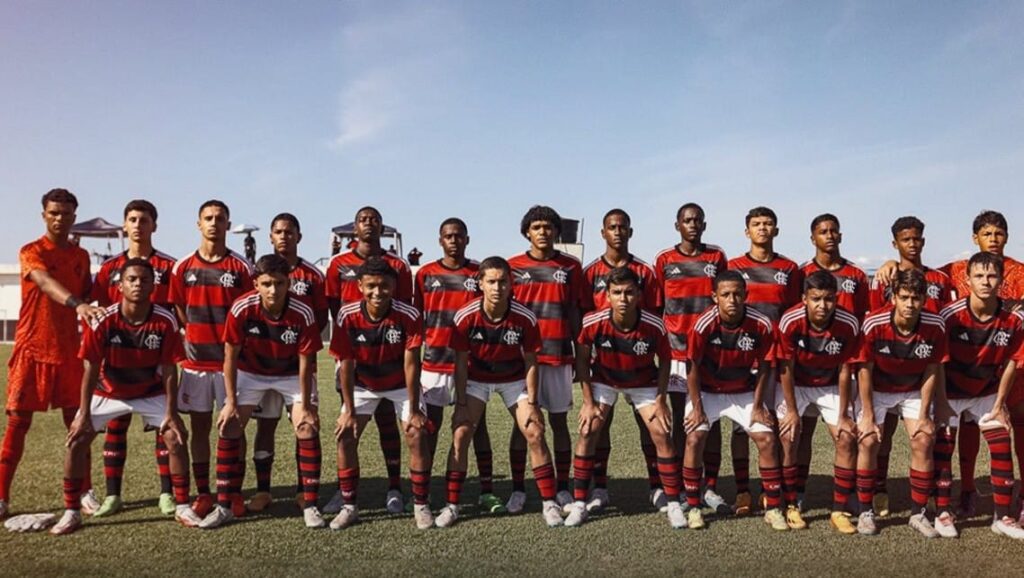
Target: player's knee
x=767 y=443
x=922 y=444
x=306 y=431
x=870 y=443
x=696 y=439
x=846 y=444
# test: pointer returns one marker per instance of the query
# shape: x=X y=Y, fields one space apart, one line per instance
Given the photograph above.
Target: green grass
x=629 y=539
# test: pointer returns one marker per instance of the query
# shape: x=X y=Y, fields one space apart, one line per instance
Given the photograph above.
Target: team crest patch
x=781 y=277
x=933 y=291
x=923 y=350
x=289 y=336
x=152 y=341
x=1001 y=339
x=511 y=337
x=300 y=287
x=560 y=276
x=393 y=335
x=470 y=284
x=228 y=279
x=833 y=347
x=641 y=347
x=710 y=269
x=745 y=343
x=848 y=286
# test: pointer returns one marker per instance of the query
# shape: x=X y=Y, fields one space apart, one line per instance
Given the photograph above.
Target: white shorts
x=677 y=376
x=822 y=401
x=252 y=388
x=366 y=401
x=437 y=388
x=907 y=405
x=555 y=388
x=270 y=407
x=975 y=409
x=152 y=409
x=511 y=393
x=738 y=407
x=198 y=390
x=638 y=397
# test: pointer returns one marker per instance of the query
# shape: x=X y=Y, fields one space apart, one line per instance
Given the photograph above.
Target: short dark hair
x=904 y=223
x=272 y=264
x=698 y=208
x=453 y=221
x=541 y=213
x=215 y=203
x=911 y=280
x=621 y=213
x=289 y=218
x=822 y=281
x=142 y=206
x=994 y=218
x=136 y=262
x=494 y=262
x=622 y=276
x=376 y=266
x=728 y=276
x=373 y=209
x=986 y=260
x=823 y=218
x=60 y=196
x=761 y=212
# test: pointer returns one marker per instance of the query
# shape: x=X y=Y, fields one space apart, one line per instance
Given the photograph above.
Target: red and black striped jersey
x=206 y=291
x=852 y=283
x=343 y=277
x=685 y=282
x=625 y=359
x=817 y=355
x=551 y=289
x=1012 y=286
x=377 y=347
x=309 y=285
x=271 y=346
x=980 y=350
x=439 y=293
x=938 y=293
x=106 y=286
x=772 y=287
x=495 y=348
x=727 y=357
x=596 y=273
x=131 y=356
x=900 y=360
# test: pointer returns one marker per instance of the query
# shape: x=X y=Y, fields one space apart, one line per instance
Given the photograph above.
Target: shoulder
x=161 y=257
x=399 y=263
x=164 y=315
x=933 y=320
x=310 y=268
x=847 y=319
x=521 y=310
x=794 y=316
x=953 y=308
x=348 y=310
x=305 y=311
x=653 y=321
x=467 y=310
x=183 y=263
x=875 y=320
x=591 y=266
x=404 y=309
x=706 y=319
x=568 y=260
x=761 y=319
x=595 y=317
x=236 y=261
x=246 y=301
x=108 y=315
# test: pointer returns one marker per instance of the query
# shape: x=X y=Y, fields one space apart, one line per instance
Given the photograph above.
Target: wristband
x=72 y=301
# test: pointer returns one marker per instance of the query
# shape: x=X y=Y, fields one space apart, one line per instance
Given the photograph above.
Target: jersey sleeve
x=171 y=350
x=403 y=292
x=861 y=298
x=177 y=292
x=413 y=331
x=652 y=291
x=531 y=338
x=417 y=293
x=310 y=341
x=320 y=305
x=783 y=346
x=664 y=348
x=31 y=260
x=876 y=297
x=460 y=337
x=583 y=294
x=795 y=287
x=586 y=336
x=694 y=345
x=865 y=351
x=92 y=344
x=99 y=292
x=332 y=285
x=341 y=343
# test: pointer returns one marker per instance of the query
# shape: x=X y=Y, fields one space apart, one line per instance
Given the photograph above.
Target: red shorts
x=35 y=386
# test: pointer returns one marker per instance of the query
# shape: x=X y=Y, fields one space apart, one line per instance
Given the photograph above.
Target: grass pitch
x=629 y=539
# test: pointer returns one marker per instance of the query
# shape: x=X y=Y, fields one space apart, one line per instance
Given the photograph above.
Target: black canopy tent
x=99 y=228
x=348 y=231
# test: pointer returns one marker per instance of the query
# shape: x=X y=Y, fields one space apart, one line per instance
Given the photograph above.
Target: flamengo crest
x=152 y=341
x=393 y=335
x=745 y=343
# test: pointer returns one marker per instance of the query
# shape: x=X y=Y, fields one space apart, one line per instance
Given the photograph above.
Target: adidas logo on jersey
x=478 y=336
x=716 y=341
x=964 y=337
x=885 y=350
x=116 y=339
x=606 y=344
x=436 y=284
x=254 y=330
x=350 y=273
x=674 y=271
x=191 y=278
x=361 y=338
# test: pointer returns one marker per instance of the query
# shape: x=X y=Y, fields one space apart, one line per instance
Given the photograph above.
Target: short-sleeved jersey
x=551 y=289
x=685 y=282
x=343 y=277
x=817 y=355
x=377 y=347
x=773 y=286
x=439 y=293
x=495 y=348
x=308 y=284
x=901 y=360
x=47 y=331
x=1011 y=288
x=852 y=283
x=980 y=350
x=131 y=356
x=206 y=292
x=728 y=357
x=596 y=273
x=106 y=287
x=938 y=292
x=271 y=346
x=625 y=359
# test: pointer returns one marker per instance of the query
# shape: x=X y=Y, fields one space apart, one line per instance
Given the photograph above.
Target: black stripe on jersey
x=977 y=337
x=206 y=315
x=505 y=367
x=386 y=369
x=764 y=275
x=436 y=318
x=901 y=381
x=289 y=365
x=687 y=305
x=378 y=335
x=204 y=351
x=448 y=282
x=621 y=376
x=556 y=347
x=815 y=344
x=547 y=310
x=971 y=370
x=438 y=355
x=541 y=274
x=122 y=339
x=819 y=372
x=688 y=269
x=729 y=374
x=621 y=345
x=257 y=328
x=212 y=277
x=901 y=350
x=729 y=340
x=129 y=375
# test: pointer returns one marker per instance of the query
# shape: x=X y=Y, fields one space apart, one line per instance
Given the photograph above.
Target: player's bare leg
x=771 y=477
x=310 y=458
x=201 y=424
x=458 y=459
x=540 y=459
x=348 y=473
x=517 y=450
x=657 y=494
x=391 y=447
x=263 y=462
x=922 y=480
x=76 y=464
x=881 y=503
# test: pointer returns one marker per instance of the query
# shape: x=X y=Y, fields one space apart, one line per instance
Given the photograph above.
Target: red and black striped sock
x=228 y=451
x=11 y=450
x=583 y=471
x=517 y=467
x=298 y=468
x=771 y=485
x=741 y=470
x=263 y=462
x=921 y=485
x=1017 y=424
x=310 y=462
x=420 y=486
x=454 y=481
x=668 y=472
x=803 y=473
x=942 y=454
x=563 y=469
x=844 y=482
x=163 y=464
x=179 y=486
x=115 y=450
x=544 y=476
x=201 y=472
x=691 y=484
x=651 y=460
x=998 y=440
x=391 y=447
x=969 y=441
x=866 y=483
x=348 y=483
x=601 y=466
x=790 y=477
x=881 y=474
x=72 y=493
x=485 y=470
x=712 y=465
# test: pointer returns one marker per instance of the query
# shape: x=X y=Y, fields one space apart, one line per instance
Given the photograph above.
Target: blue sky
x=870 y=110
